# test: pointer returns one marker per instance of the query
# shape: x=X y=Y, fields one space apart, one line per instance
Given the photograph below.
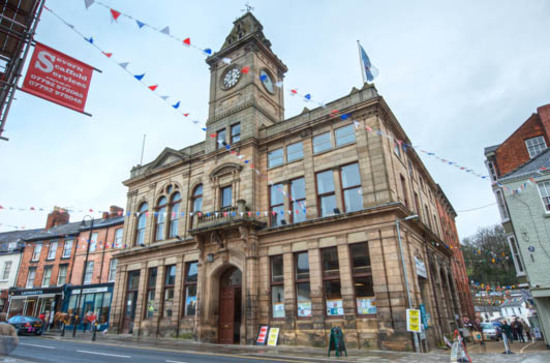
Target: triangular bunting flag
x=164 y=97
x=90 y=40
x=115 y=14
x=153 y=87
x=185 y=114
x=139 y=77
x=108 y=55
x=245 y=70
x=177 y=105
x=166 y=30
x=187 y=41
x=140 y=24
x=207 y=51
x=124 y=64
x=88 y=3
x=279 y=84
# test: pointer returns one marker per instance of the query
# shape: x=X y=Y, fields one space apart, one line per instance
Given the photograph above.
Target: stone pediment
x=225 y=169
x=166 y=157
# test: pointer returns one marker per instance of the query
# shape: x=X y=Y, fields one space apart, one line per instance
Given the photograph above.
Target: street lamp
x=415 y=216
x=85 y=267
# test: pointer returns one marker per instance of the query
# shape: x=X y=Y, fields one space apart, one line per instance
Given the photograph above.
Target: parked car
x=26 y=324
x=491 y=331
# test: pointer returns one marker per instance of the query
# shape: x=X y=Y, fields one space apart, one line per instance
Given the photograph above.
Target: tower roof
x=246 y=26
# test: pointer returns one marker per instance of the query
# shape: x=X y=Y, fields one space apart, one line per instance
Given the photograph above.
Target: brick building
x=290 y=223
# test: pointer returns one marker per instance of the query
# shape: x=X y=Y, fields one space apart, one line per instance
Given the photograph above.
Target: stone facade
x=250 y=226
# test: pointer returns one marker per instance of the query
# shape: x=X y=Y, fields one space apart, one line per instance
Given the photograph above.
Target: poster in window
x=190 y=305
x=304 y=308
x=335 y=307
x=278 y=310
x=366 y=305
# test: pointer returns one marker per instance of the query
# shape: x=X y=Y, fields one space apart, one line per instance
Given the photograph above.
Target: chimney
x=115 y=211
x=105 y=215
x=57 y=217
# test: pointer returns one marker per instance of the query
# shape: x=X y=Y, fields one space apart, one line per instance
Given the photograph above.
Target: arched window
x=161 y=217
x=142 y=219
x=197 y=199
x=175 y=203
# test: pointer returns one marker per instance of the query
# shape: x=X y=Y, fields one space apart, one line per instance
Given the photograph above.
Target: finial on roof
x=248 y=7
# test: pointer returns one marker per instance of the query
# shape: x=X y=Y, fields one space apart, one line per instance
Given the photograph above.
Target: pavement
x=533 y=352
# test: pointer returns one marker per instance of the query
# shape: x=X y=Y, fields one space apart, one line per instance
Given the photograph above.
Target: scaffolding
x=18 y=21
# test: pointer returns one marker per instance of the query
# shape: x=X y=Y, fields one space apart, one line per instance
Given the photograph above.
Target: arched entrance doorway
x=230 y=306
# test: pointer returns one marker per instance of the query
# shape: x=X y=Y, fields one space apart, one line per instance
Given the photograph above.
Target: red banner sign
x=58 y=78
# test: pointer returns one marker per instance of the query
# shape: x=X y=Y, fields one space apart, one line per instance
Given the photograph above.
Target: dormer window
x=535 y=146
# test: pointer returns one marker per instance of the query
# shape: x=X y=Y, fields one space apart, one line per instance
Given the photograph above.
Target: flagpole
x=361 y=62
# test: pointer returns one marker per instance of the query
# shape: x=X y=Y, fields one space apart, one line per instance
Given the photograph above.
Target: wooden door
x=227 y=315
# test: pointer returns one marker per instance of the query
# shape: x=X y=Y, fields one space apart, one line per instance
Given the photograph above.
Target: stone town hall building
x=202 y=262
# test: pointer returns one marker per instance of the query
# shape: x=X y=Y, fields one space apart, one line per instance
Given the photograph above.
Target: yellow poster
x=413 y=320
x=272 y=337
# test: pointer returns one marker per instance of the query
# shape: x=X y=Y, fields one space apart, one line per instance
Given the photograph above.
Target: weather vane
x=248 y=7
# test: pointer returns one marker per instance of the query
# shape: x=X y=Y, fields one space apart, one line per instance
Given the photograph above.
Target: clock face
x=267 y=82
x=231 y=78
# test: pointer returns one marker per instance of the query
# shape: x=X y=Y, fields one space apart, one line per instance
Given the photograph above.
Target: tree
x=488 y=257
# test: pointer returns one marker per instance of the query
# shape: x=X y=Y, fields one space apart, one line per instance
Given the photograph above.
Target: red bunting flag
x=245 y=70
x=108 y=55
x=115 y=14
x=293 y=91
x=187 y=41
x=185 y=114
x=32 y=208
x=91 y=211
x=153 y=87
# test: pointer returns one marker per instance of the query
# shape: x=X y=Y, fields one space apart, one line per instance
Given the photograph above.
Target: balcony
x=226 y=216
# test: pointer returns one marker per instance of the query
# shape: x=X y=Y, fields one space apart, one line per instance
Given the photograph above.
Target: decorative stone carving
x=216 y=238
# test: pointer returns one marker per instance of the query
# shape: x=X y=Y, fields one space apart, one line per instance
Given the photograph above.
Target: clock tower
x=244 y=86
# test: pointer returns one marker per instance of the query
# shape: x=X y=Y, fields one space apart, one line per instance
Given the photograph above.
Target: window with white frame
x=502 y=205
x=518 y=263
x=67 y=248
x=93 y=242
x=112 y=269
x=7 y=268
x=89 y=272
x=62 y=275
x=535 y=146
x=118 y=238
x=544 y=189
x=47 y=276
x=52 y=250
x=30 y=277
x=36 y=252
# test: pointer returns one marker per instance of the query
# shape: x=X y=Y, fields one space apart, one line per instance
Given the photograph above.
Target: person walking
x=520 y=331
x=527 y=329
x=515 y=328
x=507 y=331
x=467 y=327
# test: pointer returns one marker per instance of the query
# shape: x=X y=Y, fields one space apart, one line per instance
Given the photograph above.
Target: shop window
x=47 y=276
x=344 y=135
x=150 y=297
x=89 y=272
x=67 y=248
x=303 y=293
x=142 y=221
x=295 y=152
x=191 y=275
x=112 y=269
x=322 y=143
x=52 y=250
x=275 y=158
x=160 y=219
x=277 y=206
x=298 y=199
x=226 y=197
x=331 y=281
x=325 y=193
x=118 y=238
x=362 y=278
x=30 y=277
x=36 y=252
x=175 y=203
x=220 y=139
x=277 y=287
x=351 y=187
x=103 y=314
x=235 y=133
x=7 y=269
x=169 y=282
x=62 y=275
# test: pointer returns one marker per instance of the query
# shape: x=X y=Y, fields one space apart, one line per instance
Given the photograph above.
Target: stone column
x=140 y=298
x=317 y=299
x=252 y=289
x=159 y=297
x=117 y=307
x=289 y=327
x=178 y=291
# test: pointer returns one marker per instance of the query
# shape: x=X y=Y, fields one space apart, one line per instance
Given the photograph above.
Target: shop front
x=92 y=298
x=34 y=302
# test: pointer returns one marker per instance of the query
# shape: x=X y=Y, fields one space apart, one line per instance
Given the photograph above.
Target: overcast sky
x=459 y=76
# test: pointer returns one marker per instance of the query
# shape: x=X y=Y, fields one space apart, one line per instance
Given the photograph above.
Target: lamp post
x=415 y=336
x=85 y=267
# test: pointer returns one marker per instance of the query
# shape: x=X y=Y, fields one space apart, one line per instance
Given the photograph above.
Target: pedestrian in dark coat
x=507 y=330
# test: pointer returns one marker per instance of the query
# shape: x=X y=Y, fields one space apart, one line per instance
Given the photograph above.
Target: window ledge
x=275 y=166
x=546 y=215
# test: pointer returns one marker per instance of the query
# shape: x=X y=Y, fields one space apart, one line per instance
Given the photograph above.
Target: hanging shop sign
x=58 y=78
x=421 y=268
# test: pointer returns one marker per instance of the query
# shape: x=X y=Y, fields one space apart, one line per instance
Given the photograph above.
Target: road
x=31 y=349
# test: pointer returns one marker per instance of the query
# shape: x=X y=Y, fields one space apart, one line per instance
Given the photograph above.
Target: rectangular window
x=226 y=195
x=277 y=206
x=93 y=242
x=118 y=238
x=427 y=216
x=416 y=204
x=344 y=135
x=30 y=277
x=89 y=272
x=220 y=139
x=191 y=274
x=150 y=297
x=362 y=278
x=396 y=148
x=67 y=248
x=518 y=263
x=169 y=282
x=298 y=199
x=112 y=269
x=492 y=170
x=303 y=296
x=47 y=276
x=62 y=275
x=322 y=143
x=404 y=191
x=351 y=187
x=410 y=168
x=235 y=133
x=277 y=287
x=325 y=193
x=52 y=250
x=275 y=158
x=544 y=189
x=502 y=205
x=36 y=252
x=295 y=152
x=331 y=281
x=535 y=146
x=7 y=268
